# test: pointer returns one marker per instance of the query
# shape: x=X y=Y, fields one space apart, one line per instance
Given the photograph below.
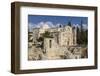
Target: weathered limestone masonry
x=59 y=46
x=63 y=36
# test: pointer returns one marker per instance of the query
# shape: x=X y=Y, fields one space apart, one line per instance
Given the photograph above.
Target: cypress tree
x=69 y=23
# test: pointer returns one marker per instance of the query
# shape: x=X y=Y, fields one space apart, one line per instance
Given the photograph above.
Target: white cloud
x=31 y=26
x=76 y=25
x=58 y=24
x=41 y=24
x=50 y=24
x=85 y=26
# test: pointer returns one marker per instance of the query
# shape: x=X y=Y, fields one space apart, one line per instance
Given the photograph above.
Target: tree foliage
x=69 y=23
x=47 y=34
x=82 y=35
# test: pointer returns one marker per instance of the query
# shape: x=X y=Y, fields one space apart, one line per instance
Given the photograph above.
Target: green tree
x=47 y=34
x=69 y=23
x=78 y=36
x=82 y=35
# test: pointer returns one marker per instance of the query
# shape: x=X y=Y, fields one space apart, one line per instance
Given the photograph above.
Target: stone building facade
x=61 y=44
x=63 y=36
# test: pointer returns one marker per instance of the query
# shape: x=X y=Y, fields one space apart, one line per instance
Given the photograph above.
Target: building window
x=50 y=43
x=67 y=42
x=57 y=39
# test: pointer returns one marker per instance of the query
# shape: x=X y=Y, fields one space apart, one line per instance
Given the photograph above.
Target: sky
x=38 y=20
